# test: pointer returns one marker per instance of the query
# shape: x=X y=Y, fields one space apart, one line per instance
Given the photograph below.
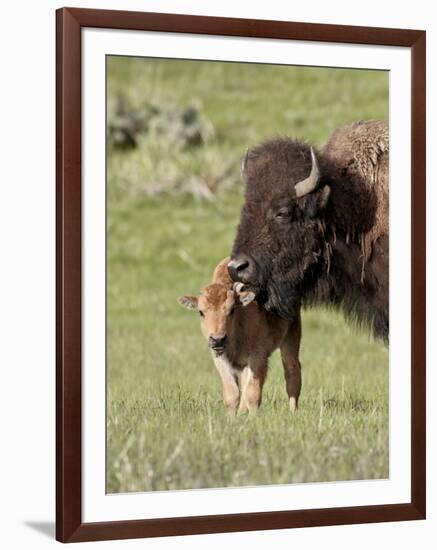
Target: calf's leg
x=290 y=361
x=231 y=391
x=253 y=386
x=243 y=380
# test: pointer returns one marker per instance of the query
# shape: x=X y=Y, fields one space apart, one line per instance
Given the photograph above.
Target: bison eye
x=282 y=214
x=201 y=313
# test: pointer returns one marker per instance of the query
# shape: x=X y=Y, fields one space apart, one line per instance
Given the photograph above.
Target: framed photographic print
x=240 y=274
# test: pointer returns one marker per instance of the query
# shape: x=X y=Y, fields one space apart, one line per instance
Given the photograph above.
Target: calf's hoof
x=292 y=404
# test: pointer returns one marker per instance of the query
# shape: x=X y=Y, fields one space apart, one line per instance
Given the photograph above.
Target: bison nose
x=241 y=268
x=217 y=340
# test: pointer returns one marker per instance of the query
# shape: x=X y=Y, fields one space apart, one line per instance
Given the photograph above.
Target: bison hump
x=360 y=152
x=361 y=147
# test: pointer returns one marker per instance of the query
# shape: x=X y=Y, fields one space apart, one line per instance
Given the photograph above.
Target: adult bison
x=314 y=226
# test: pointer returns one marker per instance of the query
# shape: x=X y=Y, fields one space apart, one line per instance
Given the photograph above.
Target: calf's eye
x=201 y=313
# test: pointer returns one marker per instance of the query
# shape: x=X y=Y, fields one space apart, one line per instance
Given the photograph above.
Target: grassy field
x=166 y=426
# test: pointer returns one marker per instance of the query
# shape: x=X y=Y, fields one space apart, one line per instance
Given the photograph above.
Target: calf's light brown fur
x=242 y=336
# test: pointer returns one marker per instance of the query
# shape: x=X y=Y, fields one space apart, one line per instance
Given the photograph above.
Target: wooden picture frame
x=69 y=524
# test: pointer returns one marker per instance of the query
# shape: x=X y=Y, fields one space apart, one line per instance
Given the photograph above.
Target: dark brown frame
x=69 y=526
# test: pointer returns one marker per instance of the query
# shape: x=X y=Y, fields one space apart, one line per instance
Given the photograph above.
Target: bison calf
x=241 y=336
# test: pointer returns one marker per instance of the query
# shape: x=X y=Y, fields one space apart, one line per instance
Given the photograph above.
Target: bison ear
x=315 y=202
x=190 y=302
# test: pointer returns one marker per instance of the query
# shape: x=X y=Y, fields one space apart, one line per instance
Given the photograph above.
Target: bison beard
x=278 y=295
x=281 y=290
x=327 y=244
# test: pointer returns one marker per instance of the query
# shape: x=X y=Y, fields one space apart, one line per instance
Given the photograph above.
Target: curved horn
x=243 y=164
x=310 y=183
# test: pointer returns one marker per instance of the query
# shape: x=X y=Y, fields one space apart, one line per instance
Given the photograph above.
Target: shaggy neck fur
x=352 y=271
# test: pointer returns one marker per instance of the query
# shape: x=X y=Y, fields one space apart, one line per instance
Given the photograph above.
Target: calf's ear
x=243 y=297
x=315 y=202
x=190 y=302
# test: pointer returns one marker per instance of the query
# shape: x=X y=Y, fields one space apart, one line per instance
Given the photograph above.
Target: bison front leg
x=231 y=391
x=290 y=361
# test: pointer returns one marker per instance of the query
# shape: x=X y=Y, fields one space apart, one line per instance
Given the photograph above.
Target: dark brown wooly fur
x=331 y=245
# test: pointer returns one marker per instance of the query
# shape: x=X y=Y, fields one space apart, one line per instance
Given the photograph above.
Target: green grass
x=245 y=103
x=166 y=425
x=250 y=102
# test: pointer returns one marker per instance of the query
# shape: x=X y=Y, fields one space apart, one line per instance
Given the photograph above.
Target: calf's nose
x=241 y=268
x=217 y=340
